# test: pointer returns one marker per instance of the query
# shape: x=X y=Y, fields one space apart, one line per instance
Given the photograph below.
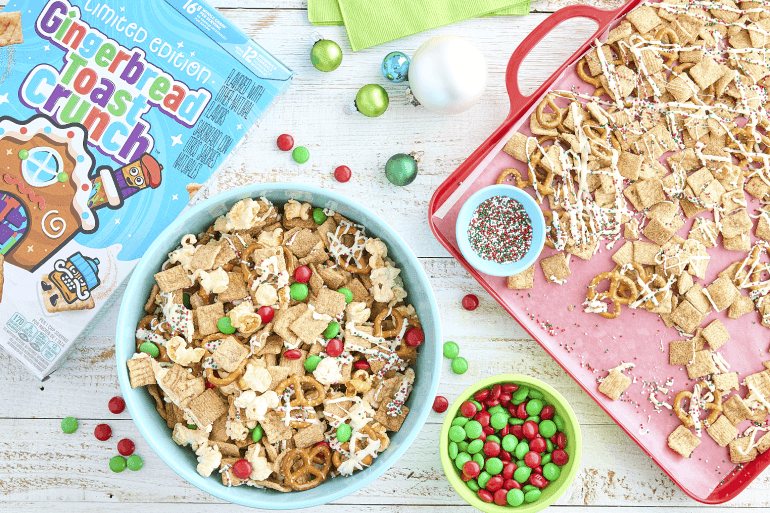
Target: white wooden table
x=40 y=467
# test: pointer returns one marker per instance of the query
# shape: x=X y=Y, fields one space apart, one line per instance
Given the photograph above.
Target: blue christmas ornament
x=395 y=67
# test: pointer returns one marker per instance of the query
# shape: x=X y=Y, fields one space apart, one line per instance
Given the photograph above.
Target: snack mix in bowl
x=279 y=346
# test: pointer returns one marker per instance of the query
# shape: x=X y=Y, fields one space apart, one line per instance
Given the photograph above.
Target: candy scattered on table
x=326 y=55
x=126 y=447
x=134 y=462
x=69 y=425
x=395 y=67
x=102 y=432
x=440 y=404
x=451 y=349
x=342 y=174
x=300 y=154
x=459 y=365
x=285 y=142
x=117 y=405
x=470 y=302
x=118 y=464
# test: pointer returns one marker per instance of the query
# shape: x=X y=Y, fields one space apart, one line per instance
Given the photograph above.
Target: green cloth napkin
x=400 y=18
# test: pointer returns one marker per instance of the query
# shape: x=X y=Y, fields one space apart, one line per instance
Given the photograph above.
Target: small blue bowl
x=181 y=459
x=489 y=266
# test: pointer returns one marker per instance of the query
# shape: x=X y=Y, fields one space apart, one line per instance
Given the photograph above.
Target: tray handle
x=600 y=16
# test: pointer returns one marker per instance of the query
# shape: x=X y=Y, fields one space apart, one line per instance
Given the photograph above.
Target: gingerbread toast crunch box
x=112 y=112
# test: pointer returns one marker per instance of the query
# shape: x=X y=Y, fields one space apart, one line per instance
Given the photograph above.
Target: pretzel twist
x=300 y=398
x=306 y=457
x=614 y=294
x=337 y=458
x=715 y=406
x=397 y=318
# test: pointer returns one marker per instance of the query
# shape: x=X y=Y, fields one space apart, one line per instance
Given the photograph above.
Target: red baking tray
x=587 y=345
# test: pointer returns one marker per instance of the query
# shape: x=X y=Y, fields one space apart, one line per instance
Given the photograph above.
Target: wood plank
x=131 y=507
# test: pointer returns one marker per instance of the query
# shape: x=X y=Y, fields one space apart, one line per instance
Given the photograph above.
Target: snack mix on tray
x=282 y=348
x=673 y=124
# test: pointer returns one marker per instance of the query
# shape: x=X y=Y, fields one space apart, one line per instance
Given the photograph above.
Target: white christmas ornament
x=448 y=74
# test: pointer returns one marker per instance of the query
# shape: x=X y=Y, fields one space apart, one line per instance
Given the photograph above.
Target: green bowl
x=554 y=490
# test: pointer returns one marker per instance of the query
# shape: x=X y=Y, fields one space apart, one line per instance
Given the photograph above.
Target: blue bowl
x=181 y=459
x=489 y=266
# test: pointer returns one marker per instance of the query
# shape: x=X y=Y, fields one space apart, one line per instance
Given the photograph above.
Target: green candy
x=225 y=326
x=192 y=426
x=521 y=450
x=70 y=424
x=534 y=407
x=560 y=425
x=332 y=330
x=536 y=394
x=186 y=300
x=476 y=446
x=478 y=404
x=451 y=350
x=496 y=409
x=135 y=462
x=312 y=362
x=118 y=464
x=532 y=495
x=515 y=421
x=460 y=421
x=551 y=471
x=484 y=478
x=463 y=446
x=459 y=365
x=318 y=216
x=520 y=395
x=298 y=291
x=300 y=154
x=521 y=463
x=456 y=434
x=462 y=459
x=62 y=177
x=479 y=458
x=522 y=474
x=515 y=497
x=473 y=429
x=498 y=420
x=509 y=443
x=453 y=450
x=547 y=428
x=494 y=466
x=149 y=348
x=546 y=458
x=493 y=438
x=473 y=485
x=344 y=432
x=534 y=418
x=348 y=295
x=257 y=432
x=549 y=446
x=527 y=488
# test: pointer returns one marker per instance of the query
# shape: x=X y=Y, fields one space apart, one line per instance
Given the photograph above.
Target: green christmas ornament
x=23 y=154
x=401 y=169
x=372 y=100
x=326 y=55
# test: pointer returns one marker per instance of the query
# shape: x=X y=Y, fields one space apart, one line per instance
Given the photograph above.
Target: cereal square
x=726 y=381
x=555 y=268
x=311 y=435
x=262 y=254
x=285 y=318
x=204 y=257
x=681 y=352
x=699 y=179
x=629 y=165
x=740 y=307
x=760 y=382
x=632 y=195
x=584 y=251
x=516 y=147
x=631 y=230
x=391 y=423
x=660 y=232
x=763 y=443
x=302 y=243
x=333 y=278
x=275 y=429
x=739 y=450
x=278 y=374
x=360 y=294
x=650 y=192
x=704 y=231
x=683 y=441
x=706 y=72
x=644 y=18
x=644 y=252
x=226 y=253
x=296 y=366
x=716 y=334
x=354 y=340
x=698 y=299
x=702 y=365
x=207 y=407
x=686 y=316
x=722 y=431
x=523 y=281
x=236 y=289
x=307 y=328
x=736 y=224
x=140 y=371
x=208 y=316
x=736 y=410
x=757 y=187
x=624 y=80
x=614 y=384
x=722 y=293
x=330 y=302
x=684 y=283
x=625 y=254
x=173 y=279
x=230 y=353
x=763 y=226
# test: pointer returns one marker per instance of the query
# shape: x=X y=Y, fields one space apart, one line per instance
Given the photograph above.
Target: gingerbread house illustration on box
x=49 y=190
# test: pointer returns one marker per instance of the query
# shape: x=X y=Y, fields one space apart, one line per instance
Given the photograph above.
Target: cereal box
x=112 y=114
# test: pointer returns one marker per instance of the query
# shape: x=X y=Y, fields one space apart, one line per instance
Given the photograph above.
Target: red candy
x=512 y=408
x=530 y=429
x=547 y=412
x=440 y=404
x=102 y=432
x=364 y=365
x=495 y=483
x=285 y=142
x=266 y=313
x=209 y=385
x=505 y=456
x=483 y=417
x=126 y=447
x=559 y=457
x=471 y=469
x=302 y=274
x=517 y=431
x=561 y=440
x=538 y=470
x=495 y=392
x=491 y=449
x=470 y=302
x=510 y=388
x=508 y=470
x=538 y=445
x=501 y=497
x=465 y=478
x=505 y=430
x=488 y=430
x=117 y=405
x=521 y=411
x=242 y=469
x=342 y=174
x=491 y=403
x=481 y=395
x=484 y=495
x=532 y=459
x=505 y=398
x=468 y=409
x=538 y=480
x=510 y=484
x=414 y=337
x=293 y=354
x=335 y=347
